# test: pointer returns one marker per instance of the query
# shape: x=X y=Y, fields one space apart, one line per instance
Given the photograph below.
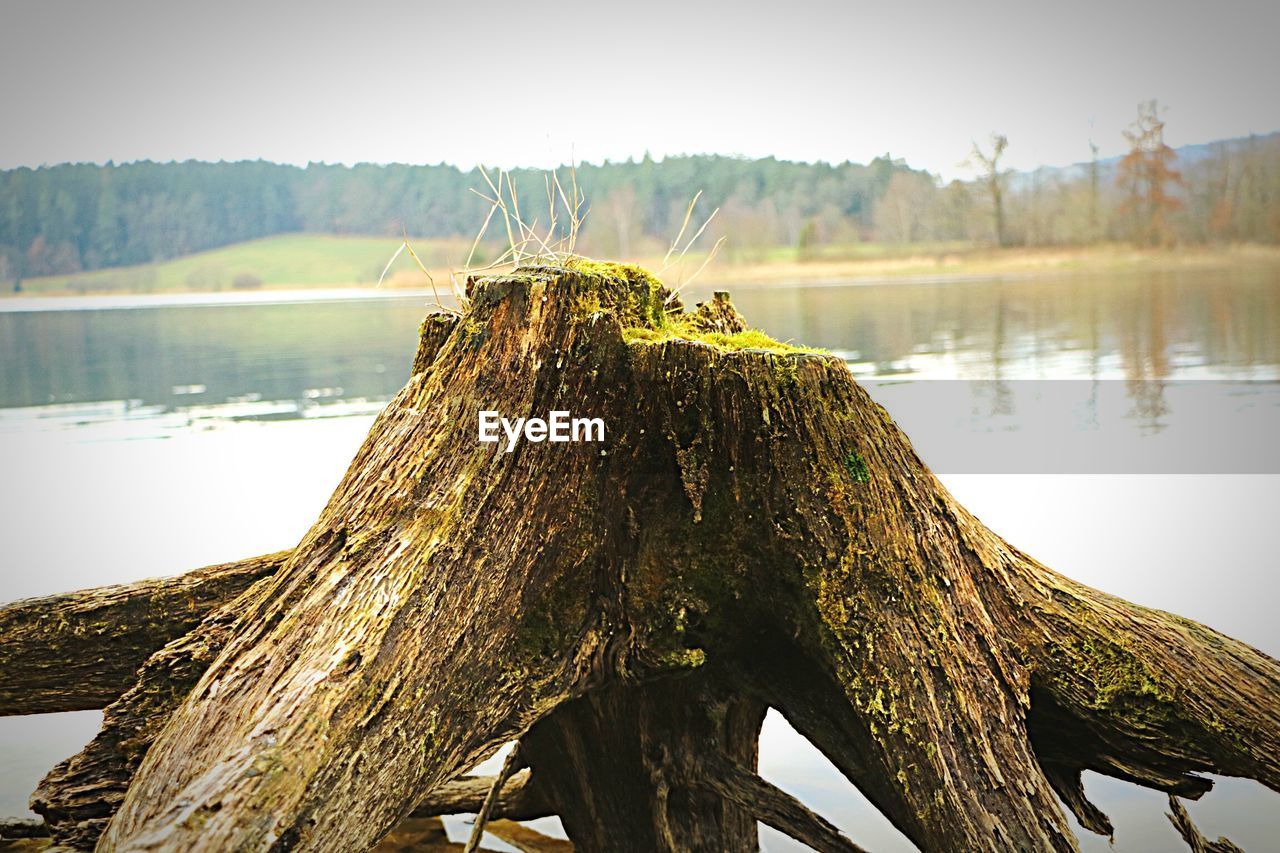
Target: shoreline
x=1014 y=264
x=986 y=264
x=36 y=303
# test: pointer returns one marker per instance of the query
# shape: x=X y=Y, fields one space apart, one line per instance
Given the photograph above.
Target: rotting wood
x=418 y=835
x=80 y=651
x=1181 y=821
x=518 y=800
x=772 y=806
x=756 y=532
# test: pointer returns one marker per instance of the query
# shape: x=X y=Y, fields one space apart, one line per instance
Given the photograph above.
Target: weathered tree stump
x=753 y=533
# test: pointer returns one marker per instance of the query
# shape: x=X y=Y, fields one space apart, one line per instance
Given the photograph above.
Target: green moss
x=472 y=332
x=610 y=270
x=643 y=305
x=539 y=635
x=684 y=659
x=1122 y=683
x=857 y=467
x=631 y=291
x=589 y=304
x=1119 y=674
x=647 y=300
x=678 y=328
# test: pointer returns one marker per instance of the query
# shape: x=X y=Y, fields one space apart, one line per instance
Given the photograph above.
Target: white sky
x=532 y=84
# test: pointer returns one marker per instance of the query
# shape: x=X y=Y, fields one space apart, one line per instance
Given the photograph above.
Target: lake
x=1120 y=428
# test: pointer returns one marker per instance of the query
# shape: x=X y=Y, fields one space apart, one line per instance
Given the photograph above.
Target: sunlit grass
x=290 y=260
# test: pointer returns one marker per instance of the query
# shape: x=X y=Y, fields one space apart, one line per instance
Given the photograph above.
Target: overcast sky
x=531 y=84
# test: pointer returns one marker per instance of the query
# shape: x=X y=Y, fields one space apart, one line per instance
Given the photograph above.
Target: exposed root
x=773 y=806
x=1198 y=843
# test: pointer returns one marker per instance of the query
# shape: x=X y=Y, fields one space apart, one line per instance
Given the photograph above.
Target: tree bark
x=665 y=766
x=754 y=532
x=80 y=795
x=616 y=764
x=80 y=651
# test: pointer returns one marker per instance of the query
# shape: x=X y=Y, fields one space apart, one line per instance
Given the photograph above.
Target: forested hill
x=76 y=217
x=65 y=219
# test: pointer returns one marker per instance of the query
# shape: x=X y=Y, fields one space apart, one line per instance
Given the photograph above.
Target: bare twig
x=675 y=291
x=497 y=195
x=556 y=243
x=430 y=278
x=392 y=261
x=510 y=766
x=676 y=242
x=480 y=234
x=518 y=798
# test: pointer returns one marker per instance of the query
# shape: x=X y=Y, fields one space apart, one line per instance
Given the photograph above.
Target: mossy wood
x=754 y=533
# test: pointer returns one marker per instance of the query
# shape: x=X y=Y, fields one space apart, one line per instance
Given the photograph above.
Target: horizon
x=888 y=155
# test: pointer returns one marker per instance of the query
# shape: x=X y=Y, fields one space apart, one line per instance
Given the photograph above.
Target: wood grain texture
x=79 y=651
x=755 y=532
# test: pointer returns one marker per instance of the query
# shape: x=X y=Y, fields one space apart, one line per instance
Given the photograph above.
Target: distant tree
x=39 y=257
x=1095 y=220
x=904 y=208
x=99 y=216
x=952 y=216
x=993 y=181
x=1147 y=175
x=806 y=243
x=620 y=204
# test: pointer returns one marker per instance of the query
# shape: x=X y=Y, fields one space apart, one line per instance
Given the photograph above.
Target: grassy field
x=291 y=260
x=986 y=262
x=322 y=260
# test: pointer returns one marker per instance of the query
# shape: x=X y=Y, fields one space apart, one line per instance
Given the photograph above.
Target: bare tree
x=993 y=180
x=1147 y=174
x=1094 y=220
x=902 y=211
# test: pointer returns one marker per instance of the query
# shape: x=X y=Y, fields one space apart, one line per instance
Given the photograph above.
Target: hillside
x=288 y=260
x=326 y=261
x=71 y=218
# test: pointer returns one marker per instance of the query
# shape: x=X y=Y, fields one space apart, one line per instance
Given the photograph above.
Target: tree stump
x=754 y=532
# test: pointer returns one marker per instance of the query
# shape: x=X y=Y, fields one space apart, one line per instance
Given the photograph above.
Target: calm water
x=143 y=440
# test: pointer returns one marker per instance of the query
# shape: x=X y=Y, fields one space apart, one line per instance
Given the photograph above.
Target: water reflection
x=192 y=357
x=254 y=358
x=1138 y=327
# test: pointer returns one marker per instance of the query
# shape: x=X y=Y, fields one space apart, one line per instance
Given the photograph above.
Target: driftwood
x=80 y=651
x=754 y=532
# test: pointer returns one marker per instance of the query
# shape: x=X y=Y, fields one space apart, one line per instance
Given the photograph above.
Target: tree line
x=74 y=217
